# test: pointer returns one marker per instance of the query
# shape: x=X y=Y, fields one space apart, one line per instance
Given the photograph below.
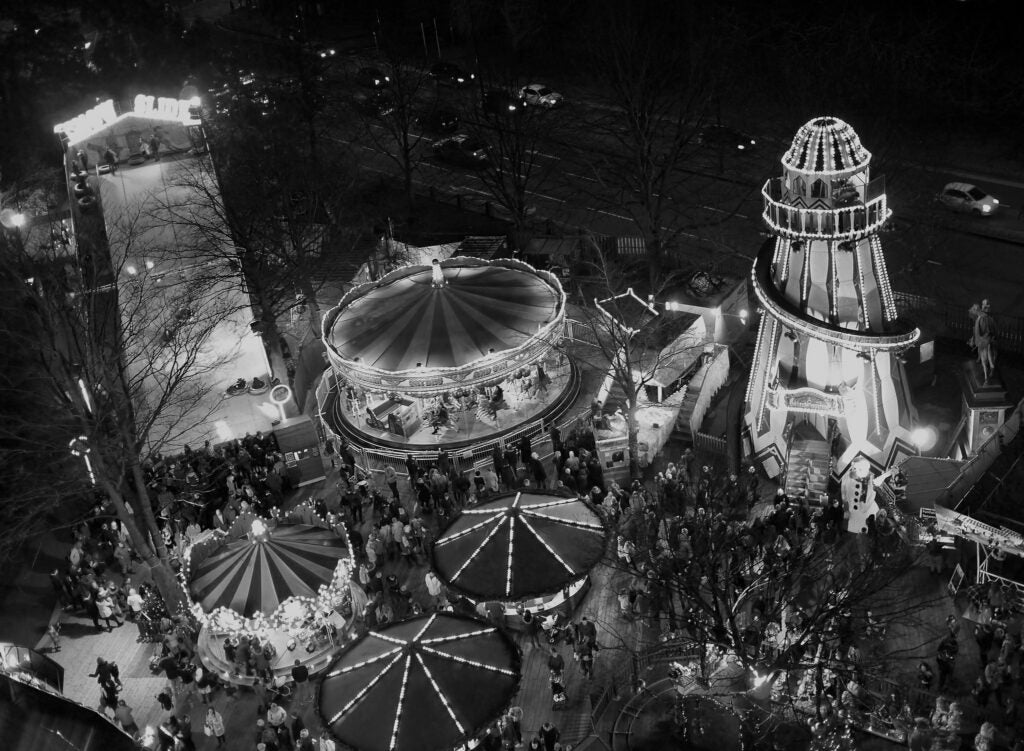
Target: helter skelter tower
x=827 y=384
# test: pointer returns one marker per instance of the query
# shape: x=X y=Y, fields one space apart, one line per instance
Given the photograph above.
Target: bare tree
x=281 y=218
x=633 y=340
x=514 y=168
x=389 y=118
x=656 y=72
x=117 y=370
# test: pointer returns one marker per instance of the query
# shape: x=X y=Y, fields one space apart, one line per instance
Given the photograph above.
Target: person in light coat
x=215 y=723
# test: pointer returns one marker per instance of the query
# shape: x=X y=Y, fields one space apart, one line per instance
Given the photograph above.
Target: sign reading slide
x=103 y=114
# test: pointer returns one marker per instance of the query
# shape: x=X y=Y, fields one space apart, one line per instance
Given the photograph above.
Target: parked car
x=462 y=150
x=373 y=78
x=720 y=135
x=540 y=95
x=501 y=102
x=439 y=121
x=450 y=74
x=378 y=104
x=969 y=199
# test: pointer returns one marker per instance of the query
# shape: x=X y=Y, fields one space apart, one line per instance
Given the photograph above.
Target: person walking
x=549 y=735
x=213 y=725
x=946 y=660
x=124 y=717
x=435 y=590
x=300 y=674
x=105 y=608
x=391 y=478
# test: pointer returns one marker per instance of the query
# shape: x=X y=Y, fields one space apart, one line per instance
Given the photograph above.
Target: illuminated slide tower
x=827 y=383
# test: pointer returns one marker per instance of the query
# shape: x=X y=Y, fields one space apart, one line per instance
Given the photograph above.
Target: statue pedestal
x=985 y=404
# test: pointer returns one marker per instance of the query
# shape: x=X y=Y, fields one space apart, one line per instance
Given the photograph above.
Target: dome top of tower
x=826 y=146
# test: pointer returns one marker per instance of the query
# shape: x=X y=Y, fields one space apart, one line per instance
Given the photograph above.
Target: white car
x=539 y=94
x=968 y=198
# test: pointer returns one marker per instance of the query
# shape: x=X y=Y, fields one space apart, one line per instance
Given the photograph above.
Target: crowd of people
x=665 y=527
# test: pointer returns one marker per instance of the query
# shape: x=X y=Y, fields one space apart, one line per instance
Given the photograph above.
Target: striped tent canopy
x=519 y=545
x=421 y=684
x=405 y=321
x=252 y=576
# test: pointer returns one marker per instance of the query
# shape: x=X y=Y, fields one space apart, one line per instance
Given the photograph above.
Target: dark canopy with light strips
x=420 y=684
x=519 y=545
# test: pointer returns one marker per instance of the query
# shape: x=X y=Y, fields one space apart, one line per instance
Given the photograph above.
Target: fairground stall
x=421 y=684
x=276 y=586
x=455 y=355
x=524 y=552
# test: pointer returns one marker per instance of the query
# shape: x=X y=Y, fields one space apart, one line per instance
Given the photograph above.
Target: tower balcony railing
x=860 y=214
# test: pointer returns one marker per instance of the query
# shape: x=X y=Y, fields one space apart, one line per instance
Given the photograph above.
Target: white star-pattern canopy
x=250 y=577
x=519 y=545
x=420 y=684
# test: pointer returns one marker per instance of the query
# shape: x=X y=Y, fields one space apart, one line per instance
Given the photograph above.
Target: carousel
x=277 y=586
x=522 y=553
x=453 y=354
x=425 y=683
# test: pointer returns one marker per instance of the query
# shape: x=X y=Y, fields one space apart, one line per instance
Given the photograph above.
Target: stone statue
x=984 y=338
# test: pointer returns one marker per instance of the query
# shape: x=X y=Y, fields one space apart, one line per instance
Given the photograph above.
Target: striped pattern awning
x=256 y=577
x=409 y=323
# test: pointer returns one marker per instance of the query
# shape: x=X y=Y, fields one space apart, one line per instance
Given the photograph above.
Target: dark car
x=500 y=102
x=440 y=121
x=463 y=150
x=379 y=104
x=721 y=136
x=373 y=78
x=450 y=74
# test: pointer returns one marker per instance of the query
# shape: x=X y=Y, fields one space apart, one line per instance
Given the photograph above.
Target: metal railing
x=855 y=220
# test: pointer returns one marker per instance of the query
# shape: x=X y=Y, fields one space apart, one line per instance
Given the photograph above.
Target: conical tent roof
x=410 y=322
x=519 y=545
x=251 y=576
x=463 y=322
x=421 y=684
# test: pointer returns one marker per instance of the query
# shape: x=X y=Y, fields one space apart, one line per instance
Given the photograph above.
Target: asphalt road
x=713 y=209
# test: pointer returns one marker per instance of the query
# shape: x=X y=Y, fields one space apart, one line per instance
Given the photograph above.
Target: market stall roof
x=519 y=545
x=34 y=719
x=410 y=322
x=35 y=664
x=420 y=684
x=250 y=573
x=927 y=478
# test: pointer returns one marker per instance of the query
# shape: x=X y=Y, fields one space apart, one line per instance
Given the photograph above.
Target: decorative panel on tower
x=827 y=383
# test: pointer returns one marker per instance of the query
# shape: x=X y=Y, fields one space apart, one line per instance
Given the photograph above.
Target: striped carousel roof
x=826 y=145
x=251 y=577
x=420 y=684
x=405 y=321
x=519 y=545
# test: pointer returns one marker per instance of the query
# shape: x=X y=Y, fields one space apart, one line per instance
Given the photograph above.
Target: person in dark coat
x=540 y=475
x=525 y=449
x=556 y=437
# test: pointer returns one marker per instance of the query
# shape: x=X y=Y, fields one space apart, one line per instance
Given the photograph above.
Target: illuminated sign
x=103 y=114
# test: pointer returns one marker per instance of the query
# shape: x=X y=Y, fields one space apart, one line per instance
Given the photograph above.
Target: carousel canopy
x=252 y=572
x=445 y=325
x=424 y=683
x=519 y=545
